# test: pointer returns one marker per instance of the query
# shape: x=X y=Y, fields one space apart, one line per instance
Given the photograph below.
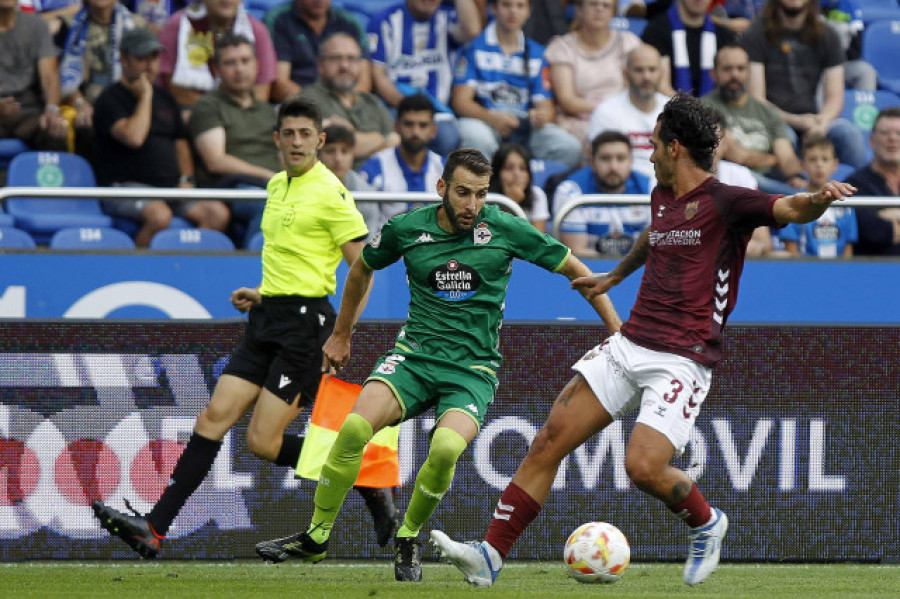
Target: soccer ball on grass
x=597 y=552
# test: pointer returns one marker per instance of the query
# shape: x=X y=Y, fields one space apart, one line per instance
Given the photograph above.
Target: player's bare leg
x=648 y=463
x=576 y=415
x=265 y=435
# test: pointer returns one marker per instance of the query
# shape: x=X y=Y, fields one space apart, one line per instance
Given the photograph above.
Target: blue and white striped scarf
x=71 y=67
x=681 y=63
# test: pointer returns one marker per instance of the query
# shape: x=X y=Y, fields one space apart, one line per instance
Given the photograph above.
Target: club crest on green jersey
x=483 y=235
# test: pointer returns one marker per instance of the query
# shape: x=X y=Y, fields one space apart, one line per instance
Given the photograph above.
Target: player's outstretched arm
x=806 y=207
x=575 y=269
x=595 y=284
x=356 y=289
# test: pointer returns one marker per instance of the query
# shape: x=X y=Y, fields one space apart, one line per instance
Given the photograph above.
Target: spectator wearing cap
x=142 y=141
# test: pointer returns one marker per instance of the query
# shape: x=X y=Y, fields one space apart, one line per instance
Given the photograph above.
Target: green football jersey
x=458 y=281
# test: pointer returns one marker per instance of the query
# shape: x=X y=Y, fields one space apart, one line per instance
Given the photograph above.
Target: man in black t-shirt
x=142 y=141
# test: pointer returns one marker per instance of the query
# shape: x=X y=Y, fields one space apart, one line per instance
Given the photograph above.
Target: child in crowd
x=833 y=234
x=337 y=155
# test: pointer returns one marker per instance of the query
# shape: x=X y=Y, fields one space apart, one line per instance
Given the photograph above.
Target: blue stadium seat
x=42 y=217
x=635 y=26
x=9 y=148
x=131 y=227
x=259 y=8
x=188 y=240
x=368 y=7
x=256 y=242
x=881 y=41
x=6 y=220
x=861 y=108
x=842 y=172
x=90 y=238
x=15 y=239
x=878 y=10
x=541 y=170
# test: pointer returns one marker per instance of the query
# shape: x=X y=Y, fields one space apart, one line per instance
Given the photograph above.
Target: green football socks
x=433 y=480
x=338 y=475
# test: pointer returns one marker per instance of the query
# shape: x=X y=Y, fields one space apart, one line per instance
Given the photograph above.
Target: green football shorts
x=420 y=383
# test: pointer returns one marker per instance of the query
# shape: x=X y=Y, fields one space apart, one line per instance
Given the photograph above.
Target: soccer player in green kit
x=458 y=257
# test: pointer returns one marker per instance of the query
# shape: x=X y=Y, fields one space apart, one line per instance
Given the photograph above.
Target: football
x=597 y=552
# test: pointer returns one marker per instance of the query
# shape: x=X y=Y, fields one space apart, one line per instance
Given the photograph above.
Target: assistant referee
x=310 y=221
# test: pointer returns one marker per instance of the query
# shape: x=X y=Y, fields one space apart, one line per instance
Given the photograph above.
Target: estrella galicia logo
x=454 y=281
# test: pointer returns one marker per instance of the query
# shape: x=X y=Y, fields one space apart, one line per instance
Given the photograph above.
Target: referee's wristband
x=187 y=179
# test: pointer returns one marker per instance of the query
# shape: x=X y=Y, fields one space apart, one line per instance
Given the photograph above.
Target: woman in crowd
x=586 y=65
x=512 y=177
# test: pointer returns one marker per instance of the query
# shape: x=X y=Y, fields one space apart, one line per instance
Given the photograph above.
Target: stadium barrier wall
x=47 y=284
x=797 y=442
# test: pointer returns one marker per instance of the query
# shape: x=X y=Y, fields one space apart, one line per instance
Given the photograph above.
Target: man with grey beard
x=757 y=135
x=340 y=64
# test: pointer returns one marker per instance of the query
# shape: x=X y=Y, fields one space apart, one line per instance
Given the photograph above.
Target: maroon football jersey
x=694 y=262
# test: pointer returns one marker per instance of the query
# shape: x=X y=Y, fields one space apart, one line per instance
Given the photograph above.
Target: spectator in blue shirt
x=410 y=166
x=413 y=48
x=593 y=231
x=833 y=234
x=499 y=93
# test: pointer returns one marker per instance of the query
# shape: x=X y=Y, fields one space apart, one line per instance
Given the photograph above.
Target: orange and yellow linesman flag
x=380 y=465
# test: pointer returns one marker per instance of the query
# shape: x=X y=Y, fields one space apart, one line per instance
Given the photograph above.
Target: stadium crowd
x=175 y=94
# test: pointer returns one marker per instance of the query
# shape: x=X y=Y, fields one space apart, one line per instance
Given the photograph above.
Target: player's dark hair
x=891 y=112
x=338 y=134
x=693 y=124
x=817 y=141
x=230 y=39
x=414 y=103
x=299 y=106
x=500 y=157
x=609 y=137
x=468 y=158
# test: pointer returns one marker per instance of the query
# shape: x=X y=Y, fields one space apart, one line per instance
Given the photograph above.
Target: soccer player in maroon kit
x=661 y=362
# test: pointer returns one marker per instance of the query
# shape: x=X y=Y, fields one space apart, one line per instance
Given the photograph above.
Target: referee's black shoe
x=407 y=567
x=299 y=546
x=134 y=530
x=384 y=514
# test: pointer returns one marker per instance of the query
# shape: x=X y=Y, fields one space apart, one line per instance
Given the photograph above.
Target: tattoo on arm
x=635 y=258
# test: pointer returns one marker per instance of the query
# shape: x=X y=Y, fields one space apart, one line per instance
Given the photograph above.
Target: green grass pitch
x=347 y=580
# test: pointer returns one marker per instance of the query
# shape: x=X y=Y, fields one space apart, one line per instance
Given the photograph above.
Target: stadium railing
x=246 y=195
x=640 y=199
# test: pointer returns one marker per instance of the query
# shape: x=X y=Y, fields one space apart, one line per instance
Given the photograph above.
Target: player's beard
x=453 y=217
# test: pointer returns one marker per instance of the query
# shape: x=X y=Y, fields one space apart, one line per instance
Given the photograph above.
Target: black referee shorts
x=282 y=346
